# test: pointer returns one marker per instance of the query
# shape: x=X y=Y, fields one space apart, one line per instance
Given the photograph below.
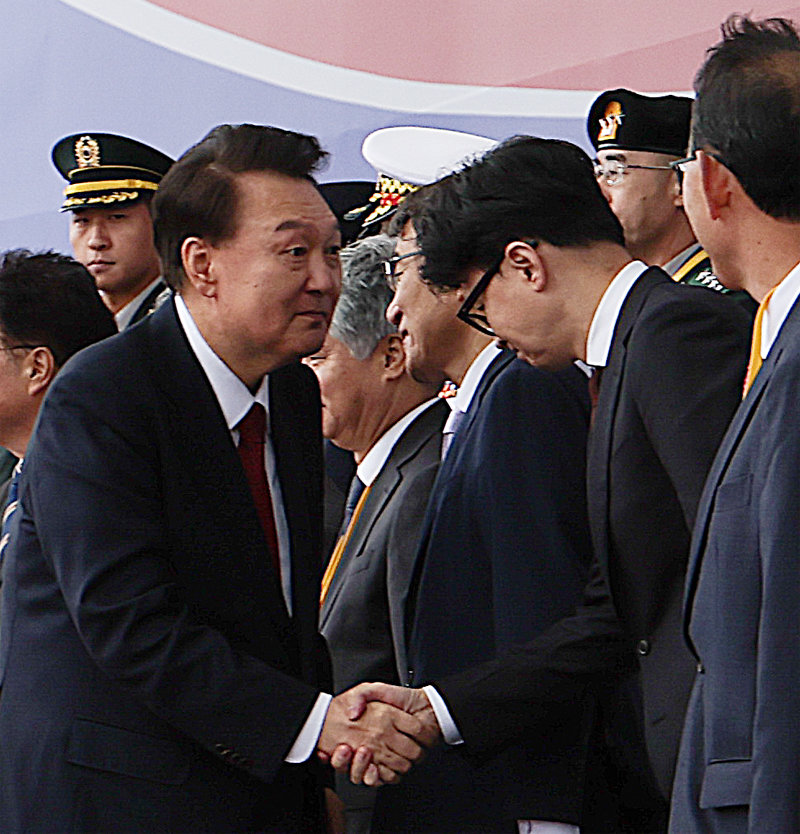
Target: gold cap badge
x=610 y=122
x=87 y=152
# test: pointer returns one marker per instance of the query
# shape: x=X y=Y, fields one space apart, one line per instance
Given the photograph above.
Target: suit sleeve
x=94 y=484
x=538 y=524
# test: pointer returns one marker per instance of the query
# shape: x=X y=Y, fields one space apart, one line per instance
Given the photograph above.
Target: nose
x=98 y=236
x=393 y=312
x=324 y=277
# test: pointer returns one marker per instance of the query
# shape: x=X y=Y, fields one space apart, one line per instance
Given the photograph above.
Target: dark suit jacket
x=503 y=555
x=362 y=617
x=672 y=382
x=153 y=680
x=738 y=767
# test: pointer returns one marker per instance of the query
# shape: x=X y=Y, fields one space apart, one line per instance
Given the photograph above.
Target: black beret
x=634 y=122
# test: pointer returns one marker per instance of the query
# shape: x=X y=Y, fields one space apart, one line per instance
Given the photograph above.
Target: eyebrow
x=616 y=157
x=291 y=224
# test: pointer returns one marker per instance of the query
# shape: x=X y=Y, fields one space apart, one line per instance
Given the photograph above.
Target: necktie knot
x=253 y=426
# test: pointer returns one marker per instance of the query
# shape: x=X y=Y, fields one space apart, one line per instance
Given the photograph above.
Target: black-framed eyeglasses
x=467 y=312
x=613 y=170
x=679 y=165
x=389 y=268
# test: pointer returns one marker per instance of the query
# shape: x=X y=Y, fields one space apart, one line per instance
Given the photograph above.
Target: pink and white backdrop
x=166 y=71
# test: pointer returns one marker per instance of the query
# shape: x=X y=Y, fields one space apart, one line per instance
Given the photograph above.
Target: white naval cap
x=421 y=155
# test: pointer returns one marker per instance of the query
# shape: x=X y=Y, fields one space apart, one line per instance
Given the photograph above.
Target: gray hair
x=359 y=320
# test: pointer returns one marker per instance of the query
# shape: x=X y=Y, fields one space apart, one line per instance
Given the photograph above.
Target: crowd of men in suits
x=566 y=565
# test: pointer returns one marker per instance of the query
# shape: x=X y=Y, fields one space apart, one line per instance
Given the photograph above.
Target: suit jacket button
x=643 y=648
x=700 y=667
x=410 y=677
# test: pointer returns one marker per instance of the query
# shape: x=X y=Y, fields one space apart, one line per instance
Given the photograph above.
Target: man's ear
x=197 y=256
x=39 y=368
x=527 y=262
x=717 y=184
x=393 y=356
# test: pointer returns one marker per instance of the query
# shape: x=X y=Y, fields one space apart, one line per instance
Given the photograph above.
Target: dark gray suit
x=362 y=618
x=738 y=766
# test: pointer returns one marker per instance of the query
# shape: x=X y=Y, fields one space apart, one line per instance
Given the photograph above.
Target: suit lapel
x=385 y=485
x=730 y=442
x=602 y=431
x=203 y=441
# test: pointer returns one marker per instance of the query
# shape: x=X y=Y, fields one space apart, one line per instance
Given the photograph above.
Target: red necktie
x=252 y=435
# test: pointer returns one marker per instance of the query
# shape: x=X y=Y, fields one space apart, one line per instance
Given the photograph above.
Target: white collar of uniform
x=604 y=320
x=123 y=317
x=778 y=308
x=376 y=457
x=472 y=378
x=233 y=395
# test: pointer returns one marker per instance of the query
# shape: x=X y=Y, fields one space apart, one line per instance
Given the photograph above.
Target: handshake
x=377 y=731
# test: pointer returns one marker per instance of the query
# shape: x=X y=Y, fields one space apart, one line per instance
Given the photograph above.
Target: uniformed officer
x=635 y=138
x=111 y=182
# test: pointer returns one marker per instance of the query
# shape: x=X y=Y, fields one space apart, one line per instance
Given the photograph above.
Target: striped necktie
x=451 y=427
x=754 y=365
x=10 y=509
x=356 y=499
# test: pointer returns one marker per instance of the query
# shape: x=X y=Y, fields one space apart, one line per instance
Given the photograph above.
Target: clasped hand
x=377 y=731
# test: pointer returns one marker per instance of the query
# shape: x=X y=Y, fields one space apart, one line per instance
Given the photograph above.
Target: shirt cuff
x=448 y=727
x=306 y=741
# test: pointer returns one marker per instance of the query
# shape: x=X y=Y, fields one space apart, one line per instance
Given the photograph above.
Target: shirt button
x=643 y=648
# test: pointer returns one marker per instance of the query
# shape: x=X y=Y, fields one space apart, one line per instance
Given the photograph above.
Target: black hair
x=198 y=195
x=51 y=300
x=748 y=110
x=525 y=188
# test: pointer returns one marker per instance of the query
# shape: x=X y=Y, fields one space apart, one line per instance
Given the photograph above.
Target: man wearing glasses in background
x=635 y=138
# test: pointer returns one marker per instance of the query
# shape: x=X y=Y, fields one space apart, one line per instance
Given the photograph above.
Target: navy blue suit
x=738 y=767
x=152 y=679
x=503 y=554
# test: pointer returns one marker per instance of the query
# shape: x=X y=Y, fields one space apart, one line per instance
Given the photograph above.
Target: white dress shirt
x=235 y=400
x=604 y=320
x=778 y=308
x=375 y=459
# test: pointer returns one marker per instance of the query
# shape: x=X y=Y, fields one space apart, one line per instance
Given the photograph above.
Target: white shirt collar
x=233 y=395
x=472 y=378
x=376 y=457
x=778 y=308
x=123 y=317
x=604 y=321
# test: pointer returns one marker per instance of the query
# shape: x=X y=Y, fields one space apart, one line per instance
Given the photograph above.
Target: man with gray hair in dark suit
x=393 y=425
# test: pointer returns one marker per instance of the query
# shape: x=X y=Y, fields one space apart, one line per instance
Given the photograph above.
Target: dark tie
x=356 y=489
x=9 y=510
x=594 y=389
x=252 y=436
x=355 y=500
